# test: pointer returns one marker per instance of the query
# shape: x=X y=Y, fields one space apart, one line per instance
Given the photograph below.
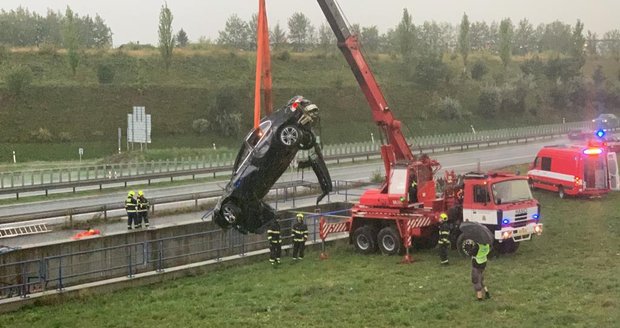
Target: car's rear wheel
x=308 y=140
x=231 y=212
x=290 y=135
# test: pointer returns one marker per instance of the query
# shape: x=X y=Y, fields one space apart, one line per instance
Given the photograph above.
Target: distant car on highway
x=580 y=134
x=606 y=121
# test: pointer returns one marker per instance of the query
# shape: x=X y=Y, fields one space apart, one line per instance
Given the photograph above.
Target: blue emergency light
x=535 y=216
x=600 y=133
x=505 y=221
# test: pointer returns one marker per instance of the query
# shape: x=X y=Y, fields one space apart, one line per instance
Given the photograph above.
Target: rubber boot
x=486 y=293
x=479 y=295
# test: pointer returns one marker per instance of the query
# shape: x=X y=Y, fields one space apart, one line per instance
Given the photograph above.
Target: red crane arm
x=381 y=112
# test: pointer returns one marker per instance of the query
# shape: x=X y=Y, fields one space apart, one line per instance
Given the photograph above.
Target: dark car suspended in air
x=265 y=154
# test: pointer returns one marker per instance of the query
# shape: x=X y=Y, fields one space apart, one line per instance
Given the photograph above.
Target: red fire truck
x=391 y=218
x=575 y=170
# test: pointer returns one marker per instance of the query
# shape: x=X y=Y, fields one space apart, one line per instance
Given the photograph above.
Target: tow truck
x=391 y=218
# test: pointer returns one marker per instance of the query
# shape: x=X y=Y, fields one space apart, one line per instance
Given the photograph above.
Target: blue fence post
x=60 y=286
x=160 y=257
x=130 y=273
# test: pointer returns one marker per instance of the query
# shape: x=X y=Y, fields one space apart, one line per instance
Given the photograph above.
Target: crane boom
x=381 y=113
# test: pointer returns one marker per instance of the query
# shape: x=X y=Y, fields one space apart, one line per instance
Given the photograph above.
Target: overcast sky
x=137 y=20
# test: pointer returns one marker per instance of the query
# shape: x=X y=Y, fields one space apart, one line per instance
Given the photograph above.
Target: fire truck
x=393 y=217
x=575 y=170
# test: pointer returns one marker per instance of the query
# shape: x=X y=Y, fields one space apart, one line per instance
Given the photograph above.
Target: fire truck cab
x=574 y=170
x=504 y=204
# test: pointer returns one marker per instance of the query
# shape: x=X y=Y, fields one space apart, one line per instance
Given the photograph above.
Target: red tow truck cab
x=574 y=170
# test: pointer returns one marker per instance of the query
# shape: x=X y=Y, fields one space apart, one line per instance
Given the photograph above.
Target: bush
x=478 y=70
x=18 y=78
x=449 y=108
x=105 y=73
x=533 y=66
x=4 y=53
x=284 y=56
x=430 y=72
x=489 y=101
x=48 y=49
x=201 y=126
x=41 y=135
x=562 y=68
x=65 y=137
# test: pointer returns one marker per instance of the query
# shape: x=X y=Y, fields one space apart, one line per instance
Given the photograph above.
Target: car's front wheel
x=290 y=135
x=308 y=140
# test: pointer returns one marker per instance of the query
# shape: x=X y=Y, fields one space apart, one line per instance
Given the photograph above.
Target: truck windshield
x=511 y=191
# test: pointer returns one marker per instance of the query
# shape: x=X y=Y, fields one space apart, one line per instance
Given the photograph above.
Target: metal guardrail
x=56 y=272
x=106 y=208
x=332 y=153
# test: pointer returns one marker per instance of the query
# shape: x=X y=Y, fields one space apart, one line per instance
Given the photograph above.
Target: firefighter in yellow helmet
x=444 y=238
x=131 y=206
x=300 y=235
x=143 y=210
x=275 y=242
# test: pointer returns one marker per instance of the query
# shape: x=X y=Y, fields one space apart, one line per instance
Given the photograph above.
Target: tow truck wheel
x=561 y=192
x=463 y=242
x=508 y=246
x=364 y=240
x=389 y=240
x=290 y=135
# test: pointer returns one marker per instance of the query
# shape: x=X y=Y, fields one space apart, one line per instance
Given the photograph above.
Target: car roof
x=607 y=115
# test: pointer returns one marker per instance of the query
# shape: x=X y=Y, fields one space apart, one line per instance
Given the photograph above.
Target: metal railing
x=64 y=270
x=280 y=192
x=74 y=177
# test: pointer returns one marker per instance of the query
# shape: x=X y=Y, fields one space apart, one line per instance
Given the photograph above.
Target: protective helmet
x=131 y=193
x=140 y=193
x=300 y=216
x=443 y=216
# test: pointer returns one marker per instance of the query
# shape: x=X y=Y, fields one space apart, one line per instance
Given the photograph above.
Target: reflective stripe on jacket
x=273 y=236
x=300 y=232
x=143 y=204
x=131 y=205
x=444 y=233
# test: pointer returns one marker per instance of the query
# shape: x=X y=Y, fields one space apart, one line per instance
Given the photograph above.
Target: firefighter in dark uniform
x=444 y=238
x=300 y=235
x=143 y=210
x=275 y=242
x=413 y=190
x=131 y=206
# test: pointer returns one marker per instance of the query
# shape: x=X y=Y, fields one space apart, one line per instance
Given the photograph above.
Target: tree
x=327 y=39
x=431 y=40
x=405 y=36
x=612 y=44
x=592 y=43
x=18 y=78
x=557 y=37
x=182 y=39
x=370 y=38
x=166 y=38
x=479 y=36
x=236 y=33
x=277 y=36
x=524 y=40
x=300 y=31
x=464 y=44
x=578 y=43
x=253 y=31
x=71 y=40
x=505 y=41
x=102 y=34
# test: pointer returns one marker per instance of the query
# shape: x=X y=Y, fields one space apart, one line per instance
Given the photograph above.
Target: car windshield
x=511 y=191
x=253 y=139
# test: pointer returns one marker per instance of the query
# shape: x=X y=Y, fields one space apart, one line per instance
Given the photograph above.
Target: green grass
x=566 y=278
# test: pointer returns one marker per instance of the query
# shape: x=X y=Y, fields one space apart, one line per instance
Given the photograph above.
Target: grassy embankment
x=79 y=112
x=568 y=277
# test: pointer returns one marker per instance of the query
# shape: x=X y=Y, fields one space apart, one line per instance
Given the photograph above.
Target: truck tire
x=389 y=241
x=507 y=247
x=365 y=240
x=561 y=192
x=461 y=242
x=427 y=242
